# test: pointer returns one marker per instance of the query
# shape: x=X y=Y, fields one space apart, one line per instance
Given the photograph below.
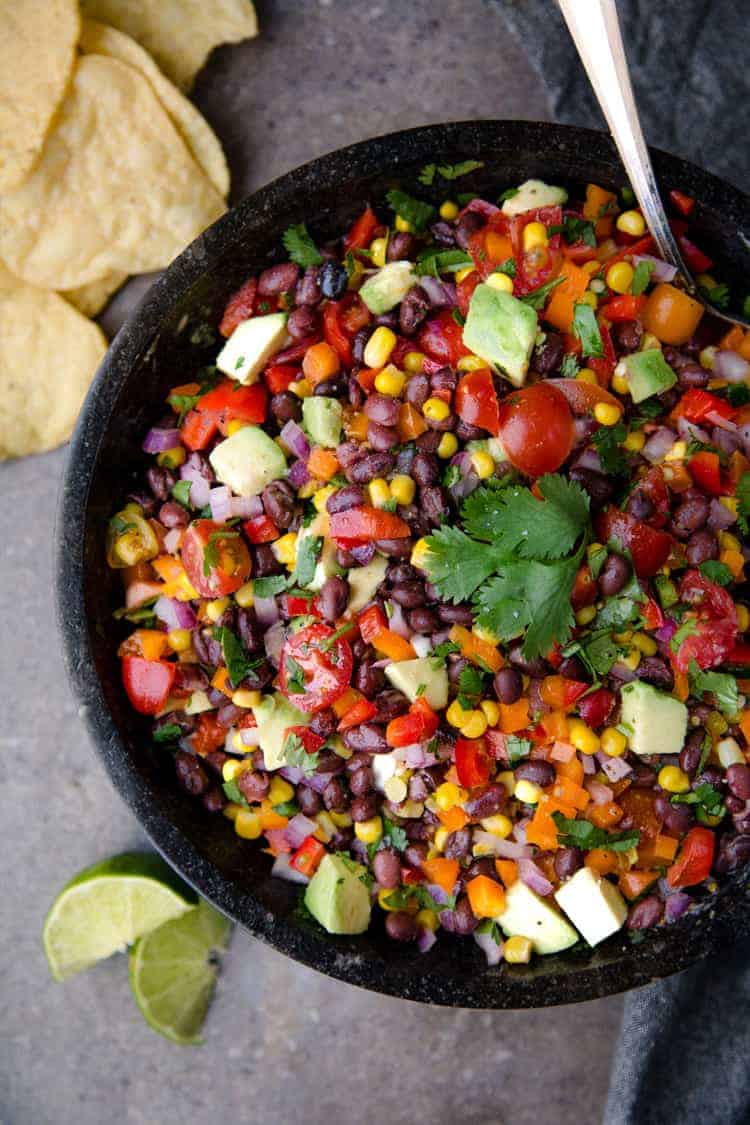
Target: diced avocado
x=388 y=287
x=247 y=461
x=337 y=897
x=321 y=417
x=534 y=193
x=273 y=715
x=648 y=373
x=655 y=723
x=528 y=915
x=409 y=676
x=251 y=345
x=492 y=445
x=593 y=904
x=363 y=582
x=198 y=703
x=501 y=330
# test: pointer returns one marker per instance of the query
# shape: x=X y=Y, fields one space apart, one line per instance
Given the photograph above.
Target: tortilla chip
x=97 y=39
x=178 y=34
x=90 y=299
x=115 y=188
x=48 y=356
x=37 y=52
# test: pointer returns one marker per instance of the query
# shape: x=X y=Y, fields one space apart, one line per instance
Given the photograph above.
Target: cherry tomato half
x=648 y=547
x=315 y=669
x=536 y=429
x=476 y=400
x=215 y=558
x=695 y=859
x=147 y=682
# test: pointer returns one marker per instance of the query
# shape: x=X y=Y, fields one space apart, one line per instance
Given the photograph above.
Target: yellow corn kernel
x=589 y=298
x=475 y=725
x=461 y=275
x=244 y=596
x=471 y=363
x=448 y=446
x=215 y=609
x=172 y=458
x=285 y=548
x=456 y=715
x=243 y=697
x=743 y=618
x=591 y=267
x=305 y=491
x=395 y=789
x=230 y=811
x=729 y=542
x=479 y=850
x=378 y=248
x=440 y=839
x=235 y=425
x=677 y=452
x=586 y=615
x=632 y=223
x=594 y=548
x=301 y=388
x=320 y=499
x=232 y=768
x=508 y=779
x=632 y=659
x=491 y=712
x=517 y=950
x=582 y=736
x=498 y=825
x=586 y=375
x=237 y=744
x=403 y=225
x=620 y=276
x=716 y=724
x=607 y=414
x=247 y=824
x=613 y=742
x=379 y=346
x=369 y=831
x=645 y=644
x=527 y=792
x=419 y=553
x=534 y=236
x=483 y=464
x=436 y=410
x=383 y=895
x=500 y=281
x=730 y=503
x=729 y=754
x=402 y=489
x=673 y=779
x=380 y=493
x=449 y=794
x=280 y=791
x=449 y=210
x=707 y=356
x=390 y=381
x=427 y=920
x=623 y=638
x=635 y=441
x=326 y=828
x=341 y=819
x=413 y=362
x=619 y=384
x=179 y=639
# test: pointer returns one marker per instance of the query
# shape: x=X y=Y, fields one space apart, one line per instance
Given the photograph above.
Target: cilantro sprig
x=300 y=246
x=575 y=230
x=742 y=494
x=403 y=897
x=211 y=557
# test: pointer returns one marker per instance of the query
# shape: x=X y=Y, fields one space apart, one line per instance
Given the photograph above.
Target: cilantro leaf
x=457 y=564
x=412 y=210
x=470 y=687
x=438 y=655
x=236 y=657
x=295 y=676
x=300 y=246
x=569 y=367
x=427 y=175
x=327 y=643
x=722 y=684
x=583 y=834
x=742 y=493
x=434 y=261
x=688 y=628
x=515 y=521
x=586 y=329
x=459 y=317
x=233 y=794
x=738 y=394
x=708 y=802
x=118 y=525
x=308 y=551
x=600 y=652
x=394 y=835
x=575 y=230
x=716 y=572
x=508 y=194
x=641 y=277
x=170 y=732
x=296 y=755
x=287 y=808
x=517 y=748
x=596 y=560
x=537 y=298
x=501 y=604
x=405 y=895
x=608 y=441
x=269 y=587
x=548 y=591
x=453 y=171
x=211 y=550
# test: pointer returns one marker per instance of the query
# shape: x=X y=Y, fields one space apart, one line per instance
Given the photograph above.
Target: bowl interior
x=165 y=342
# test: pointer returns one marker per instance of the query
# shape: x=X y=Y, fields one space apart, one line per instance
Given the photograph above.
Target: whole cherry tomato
x=536 y=429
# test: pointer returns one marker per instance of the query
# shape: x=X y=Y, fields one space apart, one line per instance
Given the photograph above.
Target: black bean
x=395 y=548
x=286 y=407
x=701 y=546
x=400 y=246
x=386 y=867
x=443 y=380
x=614 y=575
x=414 y=308
x=324 y=723
x=302 y=322
x=690 y=755
x=738 y=780
x=734 y=805
x=368 y=679
x=214 y=800
x=654 y=670
x=280 y=502
x=266 y=563
x=627 y=336
x=734 y=852
x=538 y=772
x=383 y=409
x=308 y=290
x=598 y=486
x=228 y=715
x=160 y=481
x=382 y=438
x=333 y=597
x=401 y=572
x=190 y=773
x=458 y=844
x=410 y=595
x=258 y=677
x=676 y=818
x=400 y=926
x=278 y=279
x=366 y=737
x=690 y=515
x=253 y=785
x=369 y=467
x=467 y=225
x=646 y=913
x=440 y=425
x=359 y=343
x=350 y=496
x=434 y=503
x=711 y=775
x=419 y=789
x=642 y=777
x=462 y=920
x=329 y=762
x=466 y=432
x=535 y=667
x=573 y=669
x=308 y=800
x=172 y=514
x=567 y=861
x=334 y=795
x=363 y=807
x=415 y=853
x=417 y=390
x=443 y=234
x=335 y=387
x=639 y=505
x=362 y=781
x=425 y=468
x=456 y=615
x=487 y=803
x=390 y=704
x=333 y=280
x=548 y=356
x=428 y=441
x=418 y=523
x=508 y=684
x=249 y=631
x=692 y=375
x=208 y=650
x=423 y=620
x=388 y=320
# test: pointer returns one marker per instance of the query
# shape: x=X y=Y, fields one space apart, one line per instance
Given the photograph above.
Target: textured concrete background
x=281 y=1039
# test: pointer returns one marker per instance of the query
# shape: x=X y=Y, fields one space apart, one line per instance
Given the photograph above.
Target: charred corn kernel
x=527 y=792
x=380 y=493
x=607 y=414
x=677 y=452
x=369 y=831
x=632 y=223
x=507 y=778
x=280 y=791
x=403 y=225
x=589 y=298
x=341 y=819
x=244 y=596
x=491 y=712
x=707 y=356
x=586 y=375
x=436 y=410
x=215 y=609
x=413 y=362
x=586 y=615
x=632 y=659
x=447 y=795
x=379 y=347
x=620 y=276
x=301 y=388
x=390 y=381
x=475 y=725
x=230 y=811
x=648 y=341
x=378 y=248
x=634 y=442
x=716 y=724
x=582 y=737
x=440 y=839
x=534 y=235
x=172 y=458
x=729 y=542
x=402 y=489
x=243 y=697
x=461 y=275
x=427 y=920
x=419 y=552
x=448 y=446
x=743 y=618
x=247 y=825
x=326 y=828
x=456 y=715
x=619 y=383
x=448 y=210
x=645 y=644
x=320 y=499
x=395 y=790
x=730 y=503
x=517 y=950
x=383 y=895
x=729 y=753
x=498 y=825
x=673 y=779
x=500 y=281
x=285 y=549
x=471 y=363
x=232 y=768
x=180 y=640
x=483 y=464
x=613 y=742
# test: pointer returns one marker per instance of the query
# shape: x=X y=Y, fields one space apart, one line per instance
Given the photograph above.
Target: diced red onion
x=282 y=869
x=299 y=828
x=744 y=432
x=293 y=774
x=717 y=419
x=492 y=949
x=562 y=752
x=587 y=761
x=615 y=769
x=293 y=437
x=731 y=366
x=465 y=486
x=438 y=292
x=719 y=517
x=621 y=672
x=319 y=781
x=172 y=540
x=247 y=507
x=505 y=849
x=425 y=939
x=397 y=622
x=175 y=614
x=415 y=756
x=200 y=487
x=662 y=270
x=437 y=893
x=158 y=440
x=229 y=741
x=666 y=631
x=250 y=736
x=659 y=444
x=726 y=440
x=277 y=839
x=267 y=611
x=589 y=458
x=298 y=474
x=676 y=906
x=519 y=829
x=220 y=499
x=690 y=432
x=600 y=794
x=273 y=641
x=533 y=877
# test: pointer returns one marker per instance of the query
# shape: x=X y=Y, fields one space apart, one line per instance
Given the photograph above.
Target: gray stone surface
x=281 y=1039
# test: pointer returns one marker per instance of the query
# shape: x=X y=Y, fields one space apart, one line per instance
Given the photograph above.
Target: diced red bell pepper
x=682 y=203
x=476 y=401
x=572 y=691
x=342 y=321
x=441 y=338
x=473 y=763
x=362 y=231
x=231 y=400
x=147 y=683
x=696 y=404
x=705 y=469
x=695 y=259
x=648 y=547
x=418 y=724
x=279 y=376
x=260 y=529
x=311 y=741
x=644 y=245
x=372 y=622
x=198 y=429
x=296 y=605
x=307 y=857
x=623 y=307
x=239 y=307
x=695 y=859
x=652 y=615
x=361 y=712
x=596 y=707
x=368 y=523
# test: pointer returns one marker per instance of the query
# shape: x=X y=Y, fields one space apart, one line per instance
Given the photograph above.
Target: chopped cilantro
x=412 y=210
x=287 y=808
x=170 y=732
x=688 y=628
x=405 y=895
x=583 y=834
x=742 y=493
x=118 y=525
x=296 y=755
x=717 y=295
x=641 y=277
x=490 y=926
x=507 y=267
x=717 y=572
x=586 y=329
x=295 y=676
x=451 y=476
x=666 y=591
x=300 y=246
x=269 y=587
x=738 y=394
x=211 y=550
x=721 y=684
x=537 y=298
x=233 y=794
x=569 y=367
x=439 y=654
x=608 y=442
x=328 y=642
x=236 y=657
x=596 y=560
x=181 y=492
x=308 y=552
x=448 y=171
x=459 y=317
x=471 y=685
x=394 y=836
x=708 y=802
x=575 y=230
x=434 y=261
x=508 y=194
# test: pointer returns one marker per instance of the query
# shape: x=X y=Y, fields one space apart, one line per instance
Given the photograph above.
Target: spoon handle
x=595 y=29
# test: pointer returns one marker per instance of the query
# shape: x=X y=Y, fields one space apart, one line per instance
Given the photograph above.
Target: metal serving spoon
x=595 y=29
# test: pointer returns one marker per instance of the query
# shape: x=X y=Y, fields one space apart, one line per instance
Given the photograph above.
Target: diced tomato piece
x=538 y=266
x=315 y=667
x=362 y=710
x=307 y=857
x=311 y=741
x=695 y=859
x=696 y=405
x=372 y=622
x=279 y=376
x=648 y=547
x=623 y=307
x=296 y=605
x=260 y=529
x=441 y=338
x=651 y=612
x=198 y=429
x=367 y=523
x=603 y=365
x=239 y=307
x=362 y=231
x=418 y=725
x=536 y=428
x=705 y=469
x=215 y=558
x=596 y=708
x=476 y=401
x=147 y=683
x=465 y=291
x=342 y=321
x=473 y=763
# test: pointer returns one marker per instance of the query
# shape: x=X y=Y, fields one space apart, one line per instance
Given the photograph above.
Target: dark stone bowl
x=165 y=340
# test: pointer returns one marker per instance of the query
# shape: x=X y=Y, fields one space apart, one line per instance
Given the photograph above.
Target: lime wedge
x=109 y=906
x=173 y=972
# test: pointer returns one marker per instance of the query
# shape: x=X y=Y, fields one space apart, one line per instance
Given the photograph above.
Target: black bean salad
x=435 y=582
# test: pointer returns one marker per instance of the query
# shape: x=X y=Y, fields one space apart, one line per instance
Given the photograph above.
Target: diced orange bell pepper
x=393 y=645
x=634 y=883
x=600 y=208
x=572 y=769
x=606 y=815
x=665 y=847
x=507 y=869
x=322 y=463
x=486 y=897
x=744 y=348
x=561 y=307
x=601 y=860
x=151 y=644
x=555 y=725
x=321 y=362
x=514 y=716
x=681 y=686
x=567 y=790
x=411 y=424
x=732 y=340
x=442 y=872
x=356 y=426
x=475 y=649
x=345 y=702
x=738 y=464
x=221 y=682
x=453 y=819
x=745 y=725
x=271 y=819
x=735 y=561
